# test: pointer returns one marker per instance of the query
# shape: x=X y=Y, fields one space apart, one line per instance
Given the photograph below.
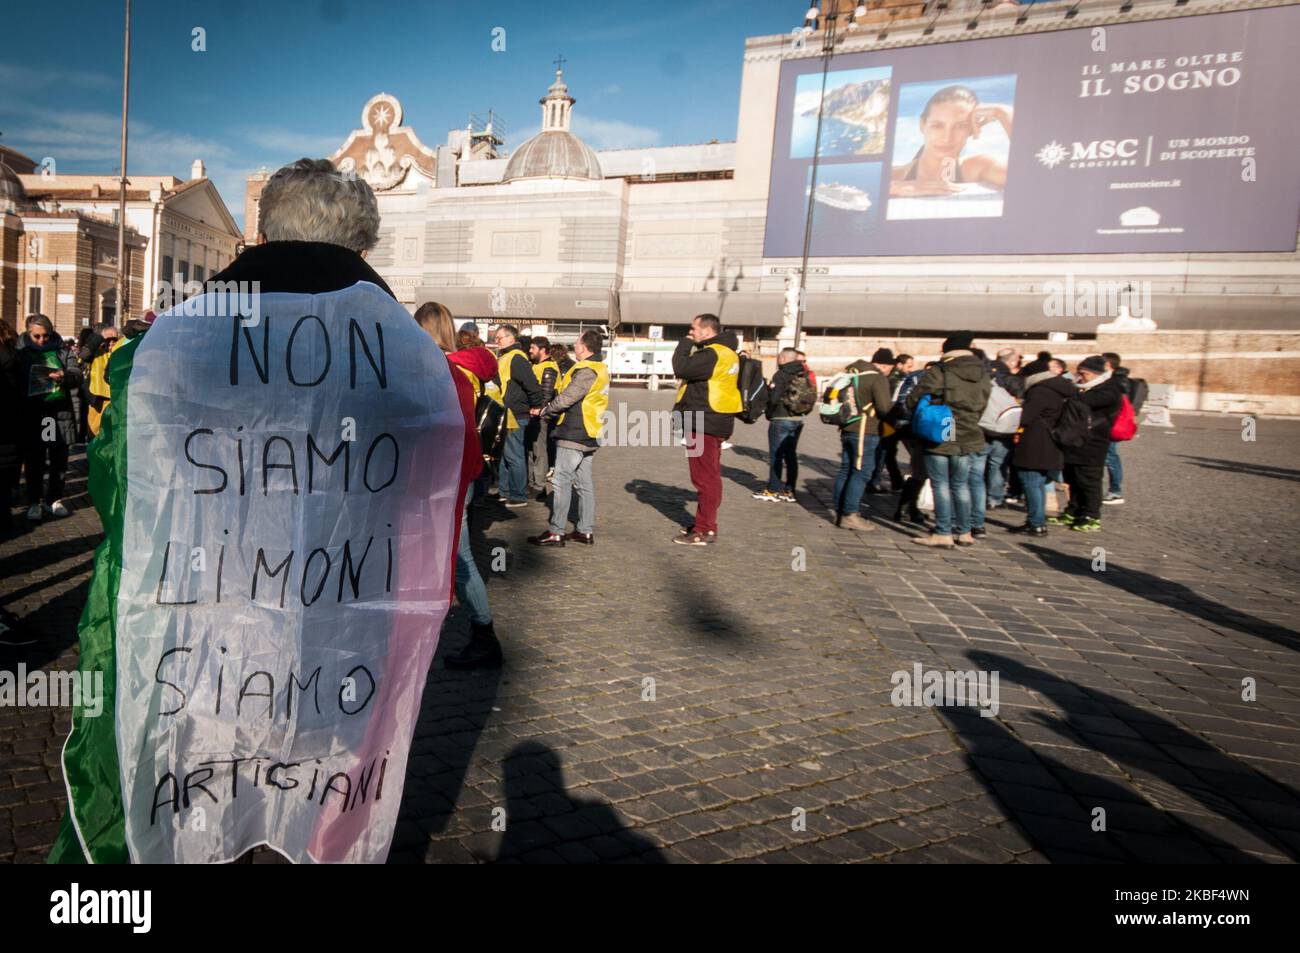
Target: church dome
x=12 y=194
x=555 y=152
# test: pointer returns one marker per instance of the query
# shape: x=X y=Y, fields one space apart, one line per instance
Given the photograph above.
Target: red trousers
x=706 y=473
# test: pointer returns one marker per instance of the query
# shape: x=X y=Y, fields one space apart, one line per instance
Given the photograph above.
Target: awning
x=524 y=304
x=1032 y=313
x=736 y=308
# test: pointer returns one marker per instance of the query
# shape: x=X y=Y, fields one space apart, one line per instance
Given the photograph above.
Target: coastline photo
x=855 y=113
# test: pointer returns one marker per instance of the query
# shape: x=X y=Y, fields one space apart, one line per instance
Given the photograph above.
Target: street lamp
x=830 y=16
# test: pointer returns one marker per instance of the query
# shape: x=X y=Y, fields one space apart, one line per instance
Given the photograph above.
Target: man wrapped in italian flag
x=280 y=476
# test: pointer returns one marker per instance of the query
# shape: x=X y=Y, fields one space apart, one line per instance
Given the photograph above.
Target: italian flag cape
x=280 y=494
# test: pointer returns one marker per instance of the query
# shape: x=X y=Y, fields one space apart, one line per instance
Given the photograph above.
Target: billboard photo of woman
x=951 y=142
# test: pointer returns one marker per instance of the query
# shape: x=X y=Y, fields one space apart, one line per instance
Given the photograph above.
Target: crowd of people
x=980 y=434
x=55 y=392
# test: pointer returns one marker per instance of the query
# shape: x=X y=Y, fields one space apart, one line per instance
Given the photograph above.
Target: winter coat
x=785 y=373
x=693 y=365
x=961 y=382
x=57 y=405
x=1045 y=395
x=1104 y=401
x=873 y=389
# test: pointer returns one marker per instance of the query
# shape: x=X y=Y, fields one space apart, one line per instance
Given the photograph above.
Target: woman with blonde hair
x=437 y=322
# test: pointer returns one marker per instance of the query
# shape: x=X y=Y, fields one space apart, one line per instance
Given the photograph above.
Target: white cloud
x=20 y=79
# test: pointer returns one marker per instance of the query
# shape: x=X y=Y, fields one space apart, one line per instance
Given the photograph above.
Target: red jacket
x=479 y=362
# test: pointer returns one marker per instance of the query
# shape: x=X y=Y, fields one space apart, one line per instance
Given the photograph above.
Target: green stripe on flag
x=94 y=828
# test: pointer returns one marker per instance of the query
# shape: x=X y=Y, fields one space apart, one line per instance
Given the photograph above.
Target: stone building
x=190 y=235
x=56 y=261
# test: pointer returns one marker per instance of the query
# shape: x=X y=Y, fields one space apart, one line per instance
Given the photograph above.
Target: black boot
x=483 y=650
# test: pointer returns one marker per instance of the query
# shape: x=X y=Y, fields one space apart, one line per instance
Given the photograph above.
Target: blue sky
x=284 y=79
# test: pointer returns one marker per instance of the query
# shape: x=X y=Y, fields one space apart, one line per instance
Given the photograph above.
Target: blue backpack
x=932 y=420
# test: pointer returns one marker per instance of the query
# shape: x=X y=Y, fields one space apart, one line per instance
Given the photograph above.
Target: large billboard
x=1179 y=135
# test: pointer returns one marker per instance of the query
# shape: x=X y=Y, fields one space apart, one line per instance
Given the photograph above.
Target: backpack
x=1002 y=414
x=839 y=405
x=800 y=396
x=932 y=420
x=1138 y=391
x=1074 y=424
x=753 y=390
x=1126 y=425
x=489 y=418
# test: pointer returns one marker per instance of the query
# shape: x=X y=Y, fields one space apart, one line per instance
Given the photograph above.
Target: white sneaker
x=726 y=445
x=59 y=510
x=34 y=512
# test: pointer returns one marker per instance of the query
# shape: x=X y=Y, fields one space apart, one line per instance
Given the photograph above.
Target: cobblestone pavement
x=768 y=732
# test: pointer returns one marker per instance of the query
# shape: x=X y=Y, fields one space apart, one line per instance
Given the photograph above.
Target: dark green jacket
x=961 y=382
x=872 y=390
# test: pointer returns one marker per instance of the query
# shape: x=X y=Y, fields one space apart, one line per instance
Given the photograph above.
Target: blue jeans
x=999 y=450
x=514 y=467
x=1114 y=468
x=470 y=589
x=950 y=479
x=1035 y=483
x=851 y=481
x=979 y=463
x=572 y=470
x=783 y=448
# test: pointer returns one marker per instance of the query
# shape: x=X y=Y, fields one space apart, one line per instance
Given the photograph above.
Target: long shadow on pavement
x=1237 y=466
x=1167 y=593
x=541 y=815
x=1175 y=756
x=672 y=501
x=455 y=709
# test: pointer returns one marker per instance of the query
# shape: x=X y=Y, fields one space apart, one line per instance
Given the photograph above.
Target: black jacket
x=1045 y=395
x=962 y=378
x=785 y=373
x=527 y=392
x=301 y=268
x=693 y=367
x=1104 y=401
x=550 y=378
x=13 y=394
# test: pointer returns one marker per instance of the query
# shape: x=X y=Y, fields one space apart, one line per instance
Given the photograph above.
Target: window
x=198 y=273
x=183 y=269
x=167 y=265
x=34 y=296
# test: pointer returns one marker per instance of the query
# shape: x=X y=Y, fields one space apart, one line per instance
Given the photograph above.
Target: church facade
x=558 y=235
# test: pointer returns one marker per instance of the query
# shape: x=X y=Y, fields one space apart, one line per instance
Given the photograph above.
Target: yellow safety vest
x=540 y=368
x=724 y=392
x=473 y=380
x=98 y=387
x=503 y=372
x=595 y=402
